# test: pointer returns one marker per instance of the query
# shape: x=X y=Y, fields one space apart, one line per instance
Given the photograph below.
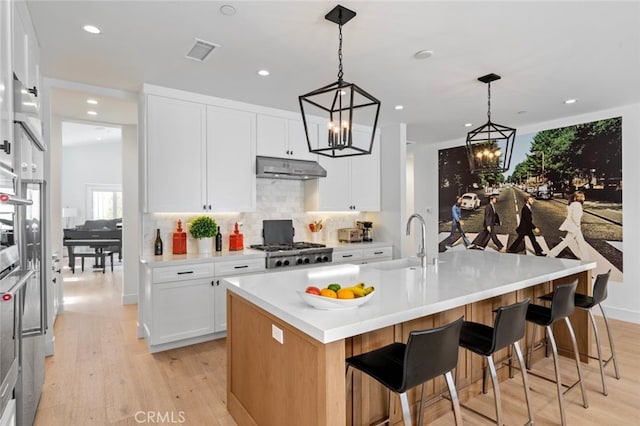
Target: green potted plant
x=203 y=229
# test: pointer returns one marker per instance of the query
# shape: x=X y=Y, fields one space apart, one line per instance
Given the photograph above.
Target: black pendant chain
x=489 y=102
x=340 y=73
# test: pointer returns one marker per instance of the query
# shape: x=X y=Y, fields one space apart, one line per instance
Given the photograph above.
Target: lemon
x=327 y=292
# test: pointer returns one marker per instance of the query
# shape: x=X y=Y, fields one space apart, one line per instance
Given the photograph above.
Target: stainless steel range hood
x=288 y=168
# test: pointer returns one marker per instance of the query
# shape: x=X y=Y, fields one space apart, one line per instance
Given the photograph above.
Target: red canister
x=179 y=240
x=236 y=240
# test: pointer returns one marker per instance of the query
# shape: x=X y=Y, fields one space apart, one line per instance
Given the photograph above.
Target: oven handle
x=21 y=282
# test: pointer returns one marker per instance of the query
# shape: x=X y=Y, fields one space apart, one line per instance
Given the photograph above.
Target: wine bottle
x=157 y=245
x=218 y=240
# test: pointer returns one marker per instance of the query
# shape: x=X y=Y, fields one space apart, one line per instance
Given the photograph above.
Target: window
x=104 y=201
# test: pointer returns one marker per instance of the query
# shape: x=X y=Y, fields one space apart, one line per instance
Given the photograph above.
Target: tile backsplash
x=275 y=199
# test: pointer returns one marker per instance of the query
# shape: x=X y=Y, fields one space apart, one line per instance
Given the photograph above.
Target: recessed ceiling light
x=570 y=101
x=92 y=102
x=227 y=10
x=468 y=124
x=92 y=113
x=423 y=54
x=263 y=73
x=398 y=107
x=92 y=29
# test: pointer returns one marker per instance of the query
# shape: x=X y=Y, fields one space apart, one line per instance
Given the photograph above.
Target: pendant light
x=489 y=147
x=342 y=104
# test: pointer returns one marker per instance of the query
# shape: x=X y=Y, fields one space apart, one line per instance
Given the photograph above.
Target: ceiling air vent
x=201 y=50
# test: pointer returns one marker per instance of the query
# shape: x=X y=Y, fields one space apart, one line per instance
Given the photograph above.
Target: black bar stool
x=508 y=328
x=562 y=305
x=426 y=355
x=586 y=303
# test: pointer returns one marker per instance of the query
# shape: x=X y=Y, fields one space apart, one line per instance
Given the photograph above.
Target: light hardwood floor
x=102 y=374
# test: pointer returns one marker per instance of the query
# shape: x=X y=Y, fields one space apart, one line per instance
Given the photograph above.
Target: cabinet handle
x=217 y=282
x=378 y=252
x=33 y=91
x=204 y=207
x=209 y=206
x=241 y=267
x=212 y=283
x=6 y=147
x=53 y=280
x=347 y=255
x=185 y=272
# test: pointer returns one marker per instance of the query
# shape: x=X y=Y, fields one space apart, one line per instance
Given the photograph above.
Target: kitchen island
x=286 y=359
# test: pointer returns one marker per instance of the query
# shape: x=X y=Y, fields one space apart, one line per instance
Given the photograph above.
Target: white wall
x=624 y=298
x=131 y=206
x=83 y=164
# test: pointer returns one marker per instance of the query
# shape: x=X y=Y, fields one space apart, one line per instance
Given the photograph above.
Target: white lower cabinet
x=362 y=255
x=182 y=309
x=228 y=269
x=187 y=304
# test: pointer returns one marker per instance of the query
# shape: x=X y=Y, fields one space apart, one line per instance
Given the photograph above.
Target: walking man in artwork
x=491 y=219
x=456 y=225
x=526 y=228
x=572 y=224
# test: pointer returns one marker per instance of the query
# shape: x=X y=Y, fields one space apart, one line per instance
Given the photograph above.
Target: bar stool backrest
x=430 y=353
x=563 y=302
x=509 y=324
x=600 y=288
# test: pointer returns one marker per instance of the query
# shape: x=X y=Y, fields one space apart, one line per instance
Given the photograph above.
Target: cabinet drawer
x=240 y=267
x=184 y=272
x=347 y=256
x=379 y=252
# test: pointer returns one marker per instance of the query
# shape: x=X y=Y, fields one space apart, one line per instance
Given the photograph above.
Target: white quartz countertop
x=187 y=259
x=402 y=294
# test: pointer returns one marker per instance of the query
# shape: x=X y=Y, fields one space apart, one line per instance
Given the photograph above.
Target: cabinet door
x=231 y=147
x=220 y=306
x=181 y=309
x=6 y=86
x=176 y=157
x=347 y=256
x=20 y=44
x=272 y=136
x=334 y=191
x=298 y=147
x=365 y=175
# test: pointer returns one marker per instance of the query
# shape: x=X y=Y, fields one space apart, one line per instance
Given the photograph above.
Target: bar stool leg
x=496 y=390
x=556 y=365
x=406 y=412
x=530 y=351
x=422 y=402
x=455 y=402
x=575 y=350
x=613 y=351
x=525 y=380
x=595 y=333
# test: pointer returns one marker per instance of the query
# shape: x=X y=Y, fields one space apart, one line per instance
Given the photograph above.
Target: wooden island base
x=301 y=381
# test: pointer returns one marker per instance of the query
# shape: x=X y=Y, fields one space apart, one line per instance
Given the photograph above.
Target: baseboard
x=620 y=314
x=130 y=299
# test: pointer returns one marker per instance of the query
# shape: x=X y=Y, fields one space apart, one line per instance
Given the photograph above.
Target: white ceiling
x=545 y=51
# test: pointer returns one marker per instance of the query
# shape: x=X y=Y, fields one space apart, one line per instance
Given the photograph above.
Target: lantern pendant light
x=342 y=104
x=489 y=147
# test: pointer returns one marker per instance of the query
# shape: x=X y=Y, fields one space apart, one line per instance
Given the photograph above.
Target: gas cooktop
x=286 y=246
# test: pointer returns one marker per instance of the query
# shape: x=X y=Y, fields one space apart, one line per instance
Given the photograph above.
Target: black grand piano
x=97 y=244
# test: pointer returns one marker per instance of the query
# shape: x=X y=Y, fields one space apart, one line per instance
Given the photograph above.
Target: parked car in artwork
x=543 y=192
x=470 y=201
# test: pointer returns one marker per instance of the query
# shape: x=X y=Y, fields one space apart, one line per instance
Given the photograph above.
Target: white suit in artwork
x=574 y=239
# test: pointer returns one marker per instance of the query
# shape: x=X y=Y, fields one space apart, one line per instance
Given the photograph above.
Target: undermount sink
x=389 y=265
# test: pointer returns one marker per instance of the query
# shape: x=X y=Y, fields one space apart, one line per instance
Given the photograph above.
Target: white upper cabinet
x=231 y=147
x=284 y=137
x=26 y=52
x=176 y=160
x=6 y=89
x=352 y=183
x=199 y=157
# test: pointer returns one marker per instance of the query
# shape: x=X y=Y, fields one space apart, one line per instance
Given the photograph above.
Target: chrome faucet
x=422 y=253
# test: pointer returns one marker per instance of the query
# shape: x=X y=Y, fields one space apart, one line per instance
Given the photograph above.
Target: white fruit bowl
x=328 y=303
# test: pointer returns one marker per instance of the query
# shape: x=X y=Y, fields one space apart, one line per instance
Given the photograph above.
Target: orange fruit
x=346 y=293
x=328 y=293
